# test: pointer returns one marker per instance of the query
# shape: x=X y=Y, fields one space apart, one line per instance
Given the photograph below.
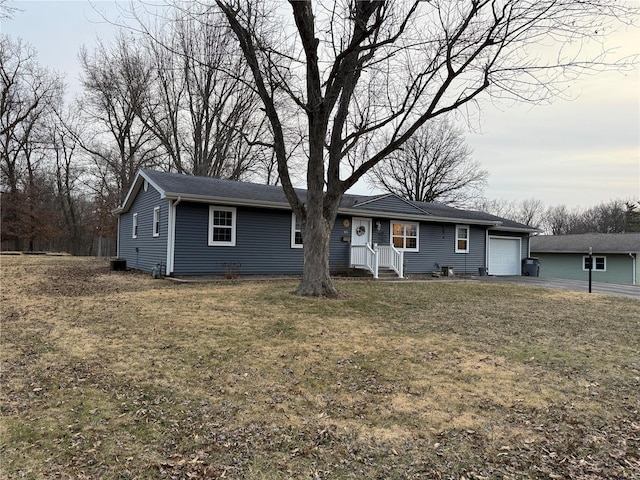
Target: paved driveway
x=575 y=285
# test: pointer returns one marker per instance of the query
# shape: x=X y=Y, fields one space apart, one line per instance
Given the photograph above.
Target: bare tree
x=200 y=107
x=160 y=107
x=69 y=172
x=433 y=165
x=6 y=11
x=221 y=107
x=368 y=74
x=29 y=94
x=114 y=82
x=615 y=216
x=529 y=212
x=632 y=216
x=556 y=220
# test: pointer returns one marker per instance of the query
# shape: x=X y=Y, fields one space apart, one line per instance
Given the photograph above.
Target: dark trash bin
x=531 y=267
x=482 y=271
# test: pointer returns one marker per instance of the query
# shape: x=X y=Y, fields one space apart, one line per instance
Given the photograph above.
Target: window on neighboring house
x=134 y=230
x=156 y=222
x=405 y=235
x=462 y=239
x=222 y=226
x=599 y=264
x=296 y=232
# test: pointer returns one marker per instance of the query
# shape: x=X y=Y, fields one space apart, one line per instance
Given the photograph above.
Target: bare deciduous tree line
x=613 y=216
x=175 y=98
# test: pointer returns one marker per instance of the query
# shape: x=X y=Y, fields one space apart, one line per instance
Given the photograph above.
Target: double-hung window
x=296 y=232
x=134 y=227
x=404 y=236
x=462 y=239
x=599 y=263
x=156 y=222
x=222 y=226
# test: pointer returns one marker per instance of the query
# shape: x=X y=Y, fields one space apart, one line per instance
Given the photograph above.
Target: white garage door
x=504 y=256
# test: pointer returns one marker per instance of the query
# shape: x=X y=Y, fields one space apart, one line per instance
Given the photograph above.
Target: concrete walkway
x=575 y=285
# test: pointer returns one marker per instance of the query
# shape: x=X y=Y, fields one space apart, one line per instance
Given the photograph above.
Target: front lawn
x=116 y=375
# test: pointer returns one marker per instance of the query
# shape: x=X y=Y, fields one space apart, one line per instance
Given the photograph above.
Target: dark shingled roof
x=189 y=187
x=177 y=184
x=390 y=203
x=442 y=210
x=623 y=243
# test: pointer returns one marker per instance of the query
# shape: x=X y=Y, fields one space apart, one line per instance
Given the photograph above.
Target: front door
x=360 y=231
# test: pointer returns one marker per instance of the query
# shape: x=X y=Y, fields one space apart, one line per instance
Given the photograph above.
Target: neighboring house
x=202 y=226
x=615 y=256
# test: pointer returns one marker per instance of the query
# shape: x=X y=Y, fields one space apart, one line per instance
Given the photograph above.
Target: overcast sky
x=578 y=153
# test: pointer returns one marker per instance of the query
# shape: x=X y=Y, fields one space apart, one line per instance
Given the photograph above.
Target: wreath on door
x=360 y=230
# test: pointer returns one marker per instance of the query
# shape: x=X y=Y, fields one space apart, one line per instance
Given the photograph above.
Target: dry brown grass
x=110 y=375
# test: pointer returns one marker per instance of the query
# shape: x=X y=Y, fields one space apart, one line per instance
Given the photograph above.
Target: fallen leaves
x=97 y=384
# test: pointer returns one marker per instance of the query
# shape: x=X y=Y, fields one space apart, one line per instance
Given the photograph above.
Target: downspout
x=633 y=265
x=486 y=251
x=118 y=238
x=171 y=235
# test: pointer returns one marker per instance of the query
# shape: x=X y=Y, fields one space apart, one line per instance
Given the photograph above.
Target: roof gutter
x=423 y=218
x=345 y=211
x=226 y=201
x=519 y=230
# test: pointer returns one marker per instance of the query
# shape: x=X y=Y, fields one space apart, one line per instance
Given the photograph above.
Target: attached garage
x=504 y=256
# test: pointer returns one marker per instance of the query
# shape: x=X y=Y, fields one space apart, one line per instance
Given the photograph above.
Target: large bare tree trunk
x=316 y=280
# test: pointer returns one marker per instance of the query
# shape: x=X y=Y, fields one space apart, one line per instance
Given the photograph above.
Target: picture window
x=404 y=236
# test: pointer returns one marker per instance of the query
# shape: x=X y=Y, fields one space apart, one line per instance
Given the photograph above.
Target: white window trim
x=156 y=222
x=232 y=243
x=462 y=250
x=134 y=226
x=403 y=222
x=293 y=232
x=584 y=261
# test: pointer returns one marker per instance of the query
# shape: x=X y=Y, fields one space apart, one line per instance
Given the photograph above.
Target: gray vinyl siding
x=340 y=245
x=437 y=247
x=145 y=251
x=263 y=244
x=437 y=250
